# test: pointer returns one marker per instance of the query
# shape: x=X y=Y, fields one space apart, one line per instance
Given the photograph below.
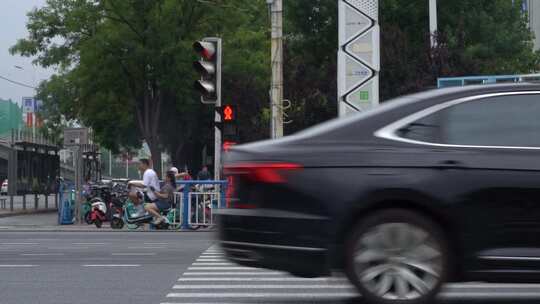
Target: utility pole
x=276 y=91
x=433 y=22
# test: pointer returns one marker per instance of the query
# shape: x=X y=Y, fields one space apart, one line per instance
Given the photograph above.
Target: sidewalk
x=49 y=222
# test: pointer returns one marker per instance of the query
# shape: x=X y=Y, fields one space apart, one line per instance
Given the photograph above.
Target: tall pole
x=217 y=117
x=110 y=163
x=276 y=92
x=433 y=22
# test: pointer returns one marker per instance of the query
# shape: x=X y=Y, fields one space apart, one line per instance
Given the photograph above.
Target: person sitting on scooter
x=150 y=183
x=166 y=197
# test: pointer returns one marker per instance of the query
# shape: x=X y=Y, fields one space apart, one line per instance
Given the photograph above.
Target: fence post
x=36 y=201
x=185 y=212
x=24 y=201
x=60 y=198
x=11 y=203
x=46 y=201
x=222 y=193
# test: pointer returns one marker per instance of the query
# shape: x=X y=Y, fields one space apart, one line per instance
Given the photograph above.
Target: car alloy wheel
x=397 y=261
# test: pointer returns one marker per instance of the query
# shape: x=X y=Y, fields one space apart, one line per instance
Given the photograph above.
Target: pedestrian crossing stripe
x=211 y=278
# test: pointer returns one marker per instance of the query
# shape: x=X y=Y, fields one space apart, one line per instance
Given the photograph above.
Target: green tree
x=125 y=65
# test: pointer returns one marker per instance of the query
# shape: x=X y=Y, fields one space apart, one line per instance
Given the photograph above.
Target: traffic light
x=228 y=115
x=209 y=67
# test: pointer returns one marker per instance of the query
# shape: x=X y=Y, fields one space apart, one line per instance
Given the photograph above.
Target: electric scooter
x=134 y=220
x=98 y=213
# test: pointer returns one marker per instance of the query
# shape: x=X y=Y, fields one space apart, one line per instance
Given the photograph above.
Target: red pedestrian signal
x=228 y=113
x=229 y=122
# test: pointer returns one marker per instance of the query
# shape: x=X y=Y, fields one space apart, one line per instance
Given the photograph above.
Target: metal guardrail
x=196 y=201
x=192 y=207
x=446 y=82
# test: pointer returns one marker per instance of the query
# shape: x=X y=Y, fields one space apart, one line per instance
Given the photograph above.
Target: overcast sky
x=12 y=27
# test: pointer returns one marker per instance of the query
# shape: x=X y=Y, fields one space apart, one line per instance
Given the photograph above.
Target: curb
x=54 y=229
x=27 y=212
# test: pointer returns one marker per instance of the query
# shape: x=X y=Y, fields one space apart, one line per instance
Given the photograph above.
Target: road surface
x=172 y=267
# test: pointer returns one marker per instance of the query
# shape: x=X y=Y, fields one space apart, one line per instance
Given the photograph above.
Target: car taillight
x=269 y=173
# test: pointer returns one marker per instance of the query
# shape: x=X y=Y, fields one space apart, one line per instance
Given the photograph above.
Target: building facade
x=532 y=7
x=10 y=117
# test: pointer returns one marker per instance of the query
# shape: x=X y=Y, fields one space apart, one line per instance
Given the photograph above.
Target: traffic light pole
x=217 y=117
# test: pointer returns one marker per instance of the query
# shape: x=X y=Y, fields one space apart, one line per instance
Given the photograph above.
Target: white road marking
x=213 y=264
x=111 y=265
x=41 y=254
x=233 y=273
x=211 y=260
x=225 y=279
x=490 y=295
x=15 y=265
x=205 y=303
x=221 y=268
x=17 y=244
x=491 y=285
x=133 y=253
x=156 y=244
x=228 y=286
x=89 y=244
x=146 y=247
x=262 y=295
x=67 y=248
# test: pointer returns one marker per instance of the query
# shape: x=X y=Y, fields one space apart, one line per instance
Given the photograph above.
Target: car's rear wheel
x=397 y=256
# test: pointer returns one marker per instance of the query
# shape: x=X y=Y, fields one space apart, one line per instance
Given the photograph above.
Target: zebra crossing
x=212 y=279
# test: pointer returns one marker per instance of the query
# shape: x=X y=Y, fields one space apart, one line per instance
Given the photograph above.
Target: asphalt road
x=100 y=267
x=172 y=267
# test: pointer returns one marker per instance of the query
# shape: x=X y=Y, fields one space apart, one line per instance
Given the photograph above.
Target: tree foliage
x=125 y=66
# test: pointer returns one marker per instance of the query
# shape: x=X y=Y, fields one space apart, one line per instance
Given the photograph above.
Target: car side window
x=426 y=129
x=512 y=121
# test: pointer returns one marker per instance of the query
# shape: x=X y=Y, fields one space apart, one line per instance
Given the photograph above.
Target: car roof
x=324 y=130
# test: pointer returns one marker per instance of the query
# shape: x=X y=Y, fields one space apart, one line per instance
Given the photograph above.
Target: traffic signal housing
x=209 y=68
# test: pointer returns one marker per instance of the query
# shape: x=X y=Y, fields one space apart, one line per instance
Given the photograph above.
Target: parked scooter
x=98 y=205
x=98 y=213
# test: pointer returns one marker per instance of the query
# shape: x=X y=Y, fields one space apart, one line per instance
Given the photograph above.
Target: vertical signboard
x=29 y=108
x=358 y=56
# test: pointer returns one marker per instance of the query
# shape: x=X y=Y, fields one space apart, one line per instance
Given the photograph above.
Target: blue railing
x=66 y=194
x=446 y=82
x=186 y=197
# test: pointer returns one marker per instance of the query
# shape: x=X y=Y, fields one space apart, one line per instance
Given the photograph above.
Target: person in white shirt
x=150 y=183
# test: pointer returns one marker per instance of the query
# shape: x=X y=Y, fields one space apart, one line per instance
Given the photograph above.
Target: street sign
x=28 y=104
x=358 y=56
x=75 y=137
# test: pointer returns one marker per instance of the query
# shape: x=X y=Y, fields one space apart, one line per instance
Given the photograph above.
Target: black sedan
x=440 y=186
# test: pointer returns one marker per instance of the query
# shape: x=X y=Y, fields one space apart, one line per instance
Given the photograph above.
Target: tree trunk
x=155 y=151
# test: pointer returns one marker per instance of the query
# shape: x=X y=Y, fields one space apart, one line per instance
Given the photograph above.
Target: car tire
x=397 y=256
